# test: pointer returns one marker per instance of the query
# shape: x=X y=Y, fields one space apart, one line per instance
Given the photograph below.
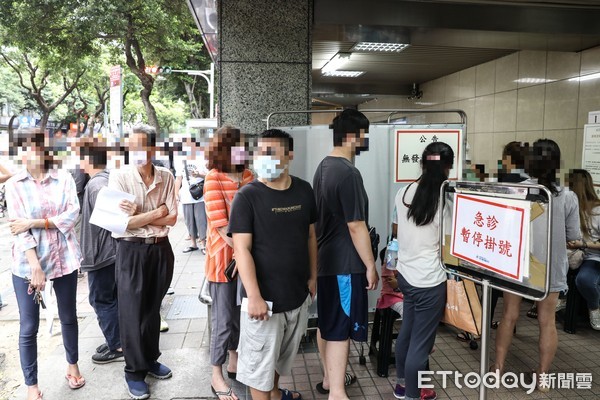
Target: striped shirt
x=219 y=191
x=55 y=198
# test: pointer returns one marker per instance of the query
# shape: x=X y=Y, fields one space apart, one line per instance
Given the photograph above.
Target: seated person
x=390 y=295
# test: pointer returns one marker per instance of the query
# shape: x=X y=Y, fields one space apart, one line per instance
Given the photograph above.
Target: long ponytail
x=437 y=158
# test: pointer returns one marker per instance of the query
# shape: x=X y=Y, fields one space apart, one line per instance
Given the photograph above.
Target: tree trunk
x=195 y=110
x=150 y=111
x=11 y=135
x=44 y=120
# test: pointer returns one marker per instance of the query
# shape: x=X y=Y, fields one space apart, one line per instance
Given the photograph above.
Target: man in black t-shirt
x=345 y=258
x=272 y=224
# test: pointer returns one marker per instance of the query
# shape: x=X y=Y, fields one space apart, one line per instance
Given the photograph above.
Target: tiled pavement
x=185 y=350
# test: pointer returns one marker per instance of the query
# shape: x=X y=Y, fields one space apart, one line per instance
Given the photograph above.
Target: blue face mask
x=266 y=167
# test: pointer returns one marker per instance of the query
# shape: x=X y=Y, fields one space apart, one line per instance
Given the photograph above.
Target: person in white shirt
x=421 y=277
x=194 y=211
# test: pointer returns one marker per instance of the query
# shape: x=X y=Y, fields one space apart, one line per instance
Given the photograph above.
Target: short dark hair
x=219 y=149
x=349 y=121
x=97 y=155
x=283 y=136
x=517 y=152
x=544 y=163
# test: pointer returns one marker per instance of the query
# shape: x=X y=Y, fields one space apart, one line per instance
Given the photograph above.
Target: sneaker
x=595 y=319
x=102 y=348
x=159 y=371
x=163 y=325
x=137 y=390
x=426 y=394
x=107 y=357
x=561 y=305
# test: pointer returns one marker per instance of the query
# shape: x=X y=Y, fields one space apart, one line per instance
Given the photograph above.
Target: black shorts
x=343 y=307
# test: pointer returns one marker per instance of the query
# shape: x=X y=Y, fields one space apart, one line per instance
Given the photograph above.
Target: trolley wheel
x=473 y=345
x=362 y=360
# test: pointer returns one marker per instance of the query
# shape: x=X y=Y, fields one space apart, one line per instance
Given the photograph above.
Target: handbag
x=575 y=257
x=196 y=189
x=463 y=307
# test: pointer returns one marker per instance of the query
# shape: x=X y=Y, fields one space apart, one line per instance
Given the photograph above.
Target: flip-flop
x=463 y=337
x=75 y=382
x=228 y=393
x=349 y=379
x=287 y=394
x=190 y=249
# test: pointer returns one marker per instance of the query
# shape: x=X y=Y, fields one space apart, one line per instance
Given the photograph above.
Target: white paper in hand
x=244 y=306
x=107 y=214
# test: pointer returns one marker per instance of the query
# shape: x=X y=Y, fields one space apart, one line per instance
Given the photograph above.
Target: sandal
x=228 y=393
x=287 y=394
x=464 y=336
x=495 y=324
x=349 y=379
x=532 y=313
x=75 y=382
x=189 y=249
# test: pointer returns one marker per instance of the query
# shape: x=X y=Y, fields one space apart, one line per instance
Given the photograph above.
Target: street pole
x=209 y=76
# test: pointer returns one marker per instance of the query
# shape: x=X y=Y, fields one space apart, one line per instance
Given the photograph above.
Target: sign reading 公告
x=492 y=234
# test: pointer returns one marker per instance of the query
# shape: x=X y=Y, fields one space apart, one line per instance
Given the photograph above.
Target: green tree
x=160 y=32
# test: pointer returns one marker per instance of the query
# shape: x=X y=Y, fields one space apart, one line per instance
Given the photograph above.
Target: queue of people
x=272 y=242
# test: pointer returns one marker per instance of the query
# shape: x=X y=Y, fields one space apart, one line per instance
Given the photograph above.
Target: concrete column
x=265 y=61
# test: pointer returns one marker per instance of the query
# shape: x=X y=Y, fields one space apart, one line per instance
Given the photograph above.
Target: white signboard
x=116 y=99
x=410 y=144
x=590 y=159
x=492 y=234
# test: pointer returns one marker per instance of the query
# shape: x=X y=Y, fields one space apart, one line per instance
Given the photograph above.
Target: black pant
x=103 y=298
x=144 y=273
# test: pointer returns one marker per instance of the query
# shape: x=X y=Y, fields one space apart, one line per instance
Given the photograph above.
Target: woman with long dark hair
x=588 y=276
x=228 y=172
x=421 y=277
x=42 y=209
x=543 y=164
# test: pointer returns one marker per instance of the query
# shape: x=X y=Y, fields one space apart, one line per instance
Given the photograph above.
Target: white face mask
x=266 y=167
x=138 y=158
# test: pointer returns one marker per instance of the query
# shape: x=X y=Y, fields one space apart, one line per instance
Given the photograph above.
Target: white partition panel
x=377 y=166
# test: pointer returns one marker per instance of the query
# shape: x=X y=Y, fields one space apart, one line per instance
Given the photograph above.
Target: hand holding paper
x=107 y=214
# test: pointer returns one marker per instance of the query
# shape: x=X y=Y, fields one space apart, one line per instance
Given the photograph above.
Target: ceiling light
x=534 y=80
x=344 y=74
x=586 y=77
x=383 y=47
x=336 y=62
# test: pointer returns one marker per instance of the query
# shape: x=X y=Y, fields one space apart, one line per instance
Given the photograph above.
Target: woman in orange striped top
x=226 y=159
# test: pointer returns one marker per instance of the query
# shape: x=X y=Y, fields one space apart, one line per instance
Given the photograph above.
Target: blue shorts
x=343 y=307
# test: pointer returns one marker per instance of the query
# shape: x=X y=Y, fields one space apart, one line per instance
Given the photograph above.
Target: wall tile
x=560 y=108
x=532 y=65
x=467 y=83
x=468 y=106
x=579 y=148
x=562 y=65
x=479 y=148
x=484 y=108
x=567 y=141
x=505 y=111
x=589 y=100
x=529 y=136
x=452 y=92
x=530 y=108
x=507 y=72
x=485 y=78
x=590 y=61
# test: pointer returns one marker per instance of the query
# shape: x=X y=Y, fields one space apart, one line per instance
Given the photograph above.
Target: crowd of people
x=272 y=243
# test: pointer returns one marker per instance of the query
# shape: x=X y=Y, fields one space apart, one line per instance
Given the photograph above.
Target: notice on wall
x=492 y=234
x=590 y=159
x=410 y=144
